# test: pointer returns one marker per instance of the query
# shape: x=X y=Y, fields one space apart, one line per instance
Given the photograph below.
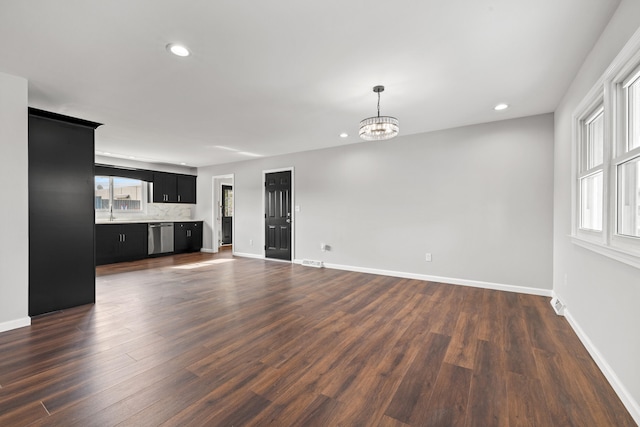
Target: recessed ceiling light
x=183 y=164
x=178 y=49
x=501 y=107
x=344 y=135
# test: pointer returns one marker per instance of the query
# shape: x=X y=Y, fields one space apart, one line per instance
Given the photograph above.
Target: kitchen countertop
x=142 y=221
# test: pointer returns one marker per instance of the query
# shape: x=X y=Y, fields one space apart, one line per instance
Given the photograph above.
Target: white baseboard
x=15 y=324
x=262 y=257
x=207 y=250
x=440 y=279
x=627 y=400
x=246 y=255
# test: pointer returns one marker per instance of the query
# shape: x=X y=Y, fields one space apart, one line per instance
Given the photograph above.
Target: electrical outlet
x=427 y=257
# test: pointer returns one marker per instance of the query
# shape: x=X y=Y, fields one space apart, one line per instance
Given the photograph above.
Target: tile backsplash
x=154 y=211
x=169 y=211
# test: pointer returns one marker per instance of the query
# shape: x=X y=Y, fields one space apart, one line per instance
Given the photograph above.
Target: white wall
x=601 y=295
x=14 y=213
x=479 y=198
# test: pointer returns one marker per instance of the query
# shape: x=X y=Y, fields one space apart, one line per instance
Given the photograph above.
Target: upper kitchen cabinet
x=61 y=212
x=186 y=189
x=173 y=188
x=165 y=187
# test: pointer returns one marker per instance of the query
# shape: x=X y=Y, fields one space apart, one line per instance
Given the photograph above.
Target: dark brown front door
x=277 y=216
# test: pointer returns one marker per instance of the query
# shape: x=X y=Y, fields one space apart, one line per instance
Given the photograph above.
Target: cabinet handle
x=124 y=237
x=178 y=197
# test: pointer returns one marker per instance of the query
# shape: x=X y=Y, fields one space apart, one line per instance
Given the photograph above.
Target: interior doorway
x=227 y=215
x=222 y=209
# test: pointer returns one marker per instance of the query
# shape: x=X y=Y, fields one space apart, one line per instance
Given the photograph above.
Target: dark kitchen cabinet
x=165 y=187
x=186 y=189
x=120 y=242
x=187 y=236
x=173 y=188
x=61 y=212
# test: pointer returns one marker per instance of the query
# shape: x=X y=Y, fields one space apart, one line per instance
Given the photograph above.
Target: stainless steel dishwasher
x=160 y=237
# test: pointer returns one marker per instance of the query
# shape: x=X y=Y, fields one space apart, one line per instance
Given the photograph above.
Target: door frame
x=293 y=212
x=216 y=195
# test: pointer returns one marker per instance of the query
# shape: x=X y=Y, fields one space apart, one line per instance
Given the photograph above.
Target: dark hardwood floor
x=212 y=340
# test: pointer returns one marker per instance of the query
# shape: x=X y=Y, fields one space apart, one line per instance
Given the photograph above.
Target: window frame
x=591 y=106
x=609 y=91
x=596 y=108
x=626 y=76
x=143 y=198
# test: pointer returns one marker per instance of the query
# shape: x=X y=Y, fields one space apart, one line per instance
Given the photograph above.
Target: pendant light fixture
x=378 y=127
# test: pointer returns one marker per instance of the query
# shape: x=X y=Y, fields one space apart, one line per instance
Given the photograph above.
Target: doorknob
x=289 y=220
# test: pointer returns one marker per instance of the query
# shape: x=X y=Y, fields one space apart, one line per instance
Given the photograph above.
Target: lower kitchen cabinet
x=187 y=236
x=120 y=242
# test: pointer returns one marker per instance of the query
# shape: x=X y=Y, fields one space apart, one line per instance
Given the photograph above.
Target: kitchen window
x=113 y=193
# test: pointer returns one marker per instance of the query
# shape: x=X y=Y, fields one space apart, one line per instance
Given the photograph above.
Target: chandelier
x=378 y=127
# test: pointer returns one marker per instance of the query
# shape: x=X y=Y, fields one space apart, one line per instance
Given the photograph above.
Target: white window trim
x=606 y=91
x=143 y=203
x=592 y=103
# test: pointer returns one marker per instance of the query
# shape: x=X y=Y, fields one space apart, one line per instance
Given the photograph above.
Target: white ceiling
x=280 y=76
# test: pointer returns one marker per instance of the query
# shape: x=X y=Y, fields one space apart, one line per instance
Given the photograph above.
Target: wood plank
x=488 y=403
x=519 y=351
x=321 y=412
x=447 y=405
x=419 y=381
x=462 y=348
x=527 y=403
x=562 y=394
